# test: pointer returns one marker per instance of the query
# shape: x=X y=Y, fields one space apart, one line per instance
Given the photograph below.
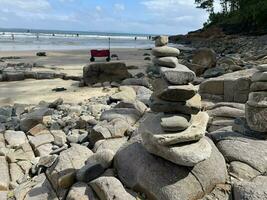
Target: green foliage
x=243 y=15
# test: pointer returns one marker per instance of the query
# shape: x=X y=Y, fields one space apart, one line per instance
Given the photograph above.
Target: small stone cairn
x=176 y=128
x=256 y=107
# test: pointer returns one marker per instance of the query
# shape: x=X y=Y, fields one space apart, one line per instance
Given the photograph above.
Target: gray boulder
x=180 y=75
x=205 y=57
x=103 y=72
x=160 y=179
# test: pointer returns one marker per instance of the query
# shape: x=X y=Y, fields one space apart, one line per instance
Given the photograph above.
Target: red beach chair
x=100 y=53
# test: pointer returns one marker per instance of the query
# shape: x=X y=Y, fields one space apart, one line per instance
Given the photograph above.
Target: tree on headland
x=237 y=15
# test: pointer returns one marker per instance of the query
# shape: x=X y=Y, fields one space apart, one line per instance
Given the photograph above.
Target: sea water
x=21 y=39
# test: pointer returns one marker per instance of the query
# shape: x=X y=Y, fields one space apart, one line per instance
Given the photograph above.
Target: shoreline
x=70 y=62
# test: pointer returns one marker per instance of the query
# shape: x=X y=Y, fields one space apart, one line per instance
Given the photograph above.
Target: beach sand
x=70 y=62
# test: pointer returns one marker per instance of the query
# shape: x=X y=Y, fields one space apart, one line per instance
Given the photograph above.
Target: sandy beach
x=70 y=62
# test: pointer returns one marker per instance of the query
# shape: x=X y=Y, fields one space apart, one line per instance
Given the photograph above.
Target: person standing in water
x=12 y=36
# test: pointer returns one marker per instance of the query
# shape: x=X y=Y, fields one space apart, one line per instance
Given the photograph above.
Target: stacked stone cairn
x=176 y=127
x=256 y=107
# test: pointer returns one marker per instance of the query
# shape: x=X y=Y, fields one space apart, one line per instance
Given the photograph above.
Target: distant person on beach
x=77 y=35
x=135 y=38
x=37 y=36
x=12 y=36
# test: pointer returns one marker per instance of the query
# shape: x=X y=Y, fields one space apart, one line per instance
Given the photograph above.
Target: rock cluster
x=65 y=151
x=256 y=107
x=176 y=133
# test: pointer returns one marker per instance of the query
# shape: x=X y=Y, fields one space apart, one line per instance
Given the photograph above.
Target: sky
x=121 y=16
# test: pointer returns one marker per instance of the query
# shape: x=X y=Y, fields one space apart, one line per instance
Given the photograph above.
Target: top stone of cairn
x=161 y=41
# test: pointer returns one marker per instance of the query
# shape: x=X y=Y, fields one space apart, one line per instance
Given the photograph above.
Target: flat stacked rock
x=175 y=130
x=256 y=107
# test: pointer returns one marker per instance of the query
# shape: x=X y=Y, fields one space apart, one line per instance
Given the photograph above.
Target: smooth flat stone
x=171 y=62
x=262 y=68
x=185 y=155
x=179 y=75
x=258 y=86
x=152 y=131
x=191 y=106
x=173 y=92
x=259 y=76
x=175 y=123
x=165 y=51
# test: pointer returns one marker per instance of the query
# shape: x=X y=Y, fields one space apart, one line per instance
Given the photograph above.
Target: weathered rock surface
x=15 y=138
x=258 y=86
x=256 y=116
x=237 y=147
x=259 y=77
x=125 y=94
x=191 y=106
x=160 y=179
x=33 y=118
x=180 y=75
x=4 y=174
x=175 y=123
x=232 y=87
x=255 y=190
x=205 y=57
x=110 y=188
x=81 y=191
x=152 y=131
x=102 y=72
x=42 y=190
x=165 y=51
x=174 y=92
x=68 y=162
x=171 y=62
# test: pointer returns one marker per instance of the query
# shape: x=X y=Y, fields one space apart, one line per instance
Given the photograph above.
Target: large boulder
x=237 y=147
x=232 y=87
x=206 y=58
x=160 y=179
x=102 y=72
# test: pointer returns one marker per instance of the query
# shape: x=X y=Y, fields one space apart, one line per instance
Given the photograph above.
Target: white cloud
x=119 y=7
x=66 y=1
x=29 y=5
x=98 y=8
x=160 y=5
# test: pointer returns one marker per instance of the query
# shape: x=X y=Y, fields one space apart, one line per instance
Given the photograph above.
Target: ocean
x=23 y=39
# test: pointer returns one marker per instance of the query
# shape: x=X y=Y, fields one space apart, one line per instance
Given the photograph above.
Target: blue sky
x=129 y=16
